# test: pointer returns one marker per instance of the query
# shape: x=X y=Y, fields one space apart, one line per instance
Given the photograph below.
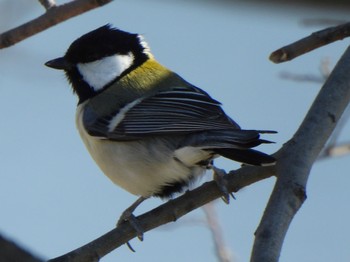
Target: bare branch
x=168 y=212
x=48 y=3
x=322 y=22
x=295 y=160
x=53 y=16
x=335 y=151
x=301 y=77
x=325 y=71
x=10 y=251
x=222 y=252
x=307 y=44
x=325 y=68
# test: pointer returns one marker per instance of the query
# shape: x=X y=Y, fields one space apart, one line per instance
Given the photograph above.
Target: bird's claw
x=219 y=178
x=128 y=216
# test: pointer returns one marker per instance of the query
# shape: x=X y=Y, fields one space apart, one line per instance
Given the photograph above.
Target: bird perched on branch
x=150 y=131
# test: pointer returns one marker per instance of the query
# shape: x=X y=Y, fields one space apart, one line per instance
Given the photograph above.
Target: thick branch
x=53 y=16
x=307 y=44
x=296 y=158
x=10 y=251
x=168 y=212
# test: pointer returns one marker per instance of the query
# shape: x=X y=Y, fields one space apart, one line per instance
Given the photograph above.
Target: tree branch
x=296 y=158
x=10 y=251
x=53 y=16
x=335 y=151
x=333 y=148
x=168 y=212
x=307 y=44
x=222 y=252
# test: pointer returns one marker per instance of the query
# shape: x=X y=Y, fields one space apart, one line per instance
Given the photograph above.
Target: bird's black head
x=100 y=57
x=102 y=42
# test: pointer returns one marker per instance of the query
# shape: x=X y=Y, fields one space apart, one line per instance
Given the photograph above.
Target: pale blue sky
x=55 y=199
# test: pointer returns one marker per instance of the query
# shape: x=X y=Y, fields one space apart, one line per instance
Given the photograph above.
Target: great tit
x=149 y=130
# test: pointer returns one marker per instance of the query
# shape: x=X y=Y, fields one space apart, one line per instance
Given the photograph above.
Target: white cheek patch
x=101 y=72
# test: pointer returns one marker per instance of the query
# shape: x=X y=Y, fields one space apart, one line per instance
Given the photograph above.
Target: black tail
x=246 y=156
x=234 y=144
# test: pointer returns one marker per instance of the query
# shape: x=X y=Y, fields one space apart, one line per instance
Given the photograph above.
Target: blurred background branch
x=53 y=16
x=223 y=252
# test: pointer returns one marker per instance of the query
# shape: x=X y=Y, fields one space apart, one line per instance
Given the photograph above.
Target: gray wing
x=189 y=112
x=177 y=111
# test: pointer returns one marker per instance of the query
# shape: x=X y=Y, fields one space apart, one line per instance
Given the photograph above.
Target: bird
x=150 y=131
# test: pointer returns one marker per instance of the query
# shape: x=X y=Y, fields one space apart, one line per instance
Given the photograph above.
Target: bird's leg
x=128 y=215
x=219 y=177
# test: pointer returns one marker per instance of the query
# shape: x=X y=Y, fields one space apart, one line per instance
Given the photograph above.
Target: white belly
x=142 y=169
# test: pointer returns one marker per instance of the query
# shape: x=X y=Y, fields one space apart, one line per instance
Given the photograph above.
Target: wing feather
x=180 y=110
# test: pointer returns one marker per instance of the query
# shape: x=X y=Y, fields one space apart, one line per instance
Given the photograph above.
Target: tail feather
x=234 y=144
x=248 y=156
x=228 y=138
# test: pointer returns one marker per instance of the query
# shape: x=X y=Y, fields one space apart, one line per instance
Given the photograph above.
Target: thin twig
x=47 y=3
x=324 y=70
x=341 y=149
x=222 y=251
x=52 y=17
x=302 y=77
x=307 y=44
x=168 y=212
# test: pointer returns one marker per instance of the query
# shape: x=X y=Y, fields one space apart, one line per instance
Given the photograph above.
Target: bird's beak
x=59 y=63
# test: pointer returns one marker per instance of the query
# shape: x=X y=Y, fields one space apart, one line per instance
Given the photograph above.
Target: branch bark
x=307 y=44
x=53 y=16
x=11 y=251
x=295 y=160
x=168 y=212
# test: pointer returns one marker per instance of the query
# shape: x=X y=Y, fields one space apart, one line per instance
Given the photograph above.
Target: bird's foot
x=219 y=178
x=128 y=216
